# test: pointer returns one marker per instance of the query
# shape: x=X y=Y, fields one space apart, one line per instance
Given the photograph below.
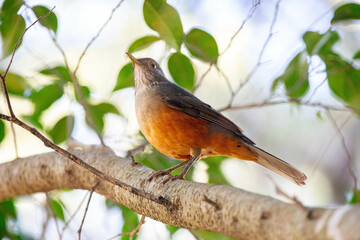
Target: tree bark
x=216 y=208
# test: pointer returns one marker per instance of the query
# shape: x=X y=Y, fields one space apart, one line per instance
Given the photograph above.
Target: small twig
x=75 y=212
x=203 y=76
x=346 y=150
x=227 y=80
x=133 y=232
x=268 y=103
x=316 y=88
x=53 y=215
x=324 y=151
x=250 y=14
x=45 y=225
x=77 y=88
x=87 y=207
x=96 y=36
x=20 y=39
x=259 y=60
x=14 y=138
x=293 y=199
x=158 y=199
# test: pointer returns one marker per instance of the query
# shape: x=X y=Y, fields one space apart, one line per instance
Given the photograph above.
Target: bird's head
x=146 y=71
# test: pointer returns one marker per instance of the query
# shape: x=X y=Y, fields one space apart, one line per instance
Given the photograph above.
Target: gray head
x=146 y=71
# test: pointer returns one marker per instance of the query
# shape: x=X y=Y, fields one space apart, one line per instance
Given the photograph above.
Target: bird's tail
x=279 y=166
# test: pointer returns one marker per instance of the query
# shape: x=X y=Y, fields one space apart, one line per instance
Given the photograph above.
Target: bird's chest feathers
x=147 y=107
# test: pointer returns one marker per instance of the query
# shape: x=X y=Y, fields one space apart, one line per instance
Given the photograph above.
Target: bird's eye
x=153 y=65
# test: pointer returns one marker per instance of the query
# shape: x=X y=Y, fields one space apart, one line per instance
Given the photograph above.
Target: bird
x=181 y=126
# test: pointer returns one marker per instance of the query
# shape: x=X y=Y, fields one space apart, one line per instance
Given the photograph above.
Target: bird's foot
x=168 y=176
x=172 y=178
x=158 y=174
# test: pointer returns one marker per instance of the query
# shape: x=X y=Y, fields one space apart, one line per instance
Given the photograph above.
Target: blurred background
x=303 y=135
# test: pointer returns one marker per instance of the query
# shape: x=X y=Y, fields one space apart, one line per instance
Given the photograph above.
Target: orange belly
x=175 y=133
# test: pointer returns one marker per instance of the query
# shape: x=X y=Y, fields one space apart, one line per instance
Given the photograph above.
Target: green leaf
x=348 y=11
x=165 y=20
x=16 y=84
x=131 y=221
x=97 y=114
x=344 y=80
x=33 y=120
x=295 y=77
x=172 y=229
x=7 y=209
x=321 y=44
x=3 y=226
x=2 y=130
x=181 y=70
x=59 y=72
x=11 y=29
x=357 y=55
x=58 y=209
x=353 y=197
x=202 y=45
x=142 y=43
x=45 y=97
x=10 y=7
x=62 y=129
x=125 y=78
x=214 y=170
x=50 y=21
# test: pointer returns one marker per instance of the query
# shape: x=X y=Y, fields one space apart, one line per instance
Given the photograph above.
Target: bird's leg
x=196 y=154
x=166 y=171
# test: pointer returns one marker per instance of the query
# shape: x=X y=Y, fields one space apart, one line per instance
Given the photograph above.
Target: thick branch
x=222 y=209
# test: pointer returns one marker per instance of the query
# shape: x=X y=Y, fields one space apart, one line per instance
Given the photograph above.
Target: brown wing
x=184 y=101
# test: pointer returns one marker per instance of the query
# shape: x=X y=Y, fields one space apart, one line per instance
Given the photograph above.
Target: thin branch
x=51 y=210
x=259 y=60
x=268 y=103
x=45 y=225
x=158 y=199
x=133 y=232
x=20 y=39
x=75 y=212
x=77 y=89
x=346 y=150
x=316 y=88
x=227 y=80
x=293 y=199
x=325 y=149
x=250 y=14
x=87 y=207
x=14 y=138
x=203 y=76
x=96 y=36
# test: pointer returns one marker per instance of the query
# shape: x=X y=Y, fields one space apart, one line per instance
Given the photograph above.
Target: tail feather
x=279 y=166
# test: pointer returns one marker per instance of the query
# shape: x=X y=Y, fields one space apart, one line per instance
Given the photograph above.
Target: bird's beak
x=133 y=59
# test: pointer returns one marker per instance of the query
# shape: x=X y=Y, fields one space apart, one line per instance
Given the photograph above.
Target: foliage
x=342 y=76
x=8 y=222
x=165 y=20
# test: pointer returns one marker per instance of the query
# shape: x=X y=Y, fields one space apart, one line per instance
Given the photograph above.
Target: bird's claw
x=168 y=176
x=171 y=178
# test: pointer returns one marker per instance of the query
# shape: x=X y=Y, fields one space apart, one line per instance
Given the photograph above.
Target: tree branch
x=217 y=208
